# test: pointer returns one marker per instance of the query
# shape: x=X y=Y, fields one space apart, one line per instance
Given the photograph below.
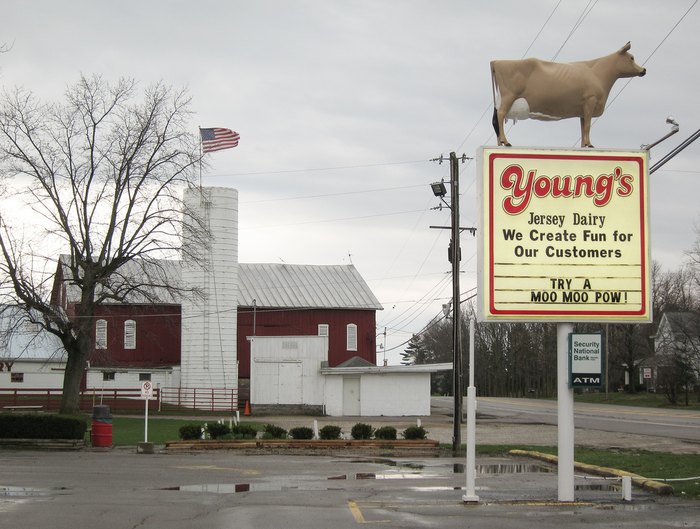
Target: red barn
x=274 y=300
x=305 y=300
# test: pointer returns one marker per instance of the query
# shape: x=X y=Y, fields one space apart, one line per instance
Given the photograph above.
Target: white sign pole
x=146 y=394
x=470 y=469
x=565 y=415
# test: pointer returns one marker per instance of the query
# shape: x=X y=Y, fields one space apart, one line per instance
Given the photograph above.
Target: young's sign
x=564 y=235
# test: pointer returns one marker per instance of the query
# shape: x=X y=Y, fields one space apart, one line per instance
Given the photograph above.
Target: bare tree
x=101 y=176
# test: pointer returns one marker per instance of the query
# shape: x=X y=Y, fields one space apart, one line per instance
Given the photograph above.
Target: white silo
x=209 y=321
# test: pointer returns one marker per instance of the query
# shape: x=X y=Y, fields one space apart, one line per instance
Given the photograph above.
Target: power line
x=315 y=169
x=610 y=103
x=287 y=224
x=326 y=195
x=577 y=24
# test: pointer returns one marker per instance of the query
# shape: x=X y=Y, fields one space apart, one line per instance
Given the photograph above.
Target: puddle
x=512 y=468
x=388 y=462
x=603 y=487
x=233 y=488
x=23 y=492
x=397 y=471
x=435 y=489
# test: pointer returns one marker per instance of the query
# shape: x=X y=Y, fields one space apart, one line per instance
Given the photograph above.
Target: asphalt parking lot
x=119 y=488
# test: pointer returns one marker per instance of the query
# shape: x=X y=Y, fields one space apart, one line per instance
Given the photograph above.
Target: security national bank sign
x=563 y=235
x=586 y=355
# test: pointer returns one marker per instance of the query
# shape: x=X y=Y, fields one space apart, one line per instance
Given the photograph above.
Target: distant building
x=676 y=344
x=29 y=357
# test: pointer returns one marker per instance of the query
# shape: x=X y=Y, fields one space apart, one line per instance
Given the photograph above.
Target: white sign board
x=147 y=390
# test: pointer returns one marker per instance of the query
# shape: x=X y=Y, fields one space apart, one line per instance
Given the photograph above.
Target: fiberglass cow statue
x=531 y=88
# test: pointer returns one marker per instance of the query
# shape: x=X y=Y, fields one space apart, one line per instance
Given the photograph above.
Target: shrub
x=301 y=432
x=414 y=432
x=190 y=432
x=244 y=431
x=361 y=431
x=42 y=426
x=385 y=432
x=329 y=432
x=217 y=430
x=270 y=431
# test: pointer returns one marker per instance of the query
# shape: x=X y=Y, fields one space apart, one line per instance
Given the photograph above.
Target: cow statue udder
x=531 y=88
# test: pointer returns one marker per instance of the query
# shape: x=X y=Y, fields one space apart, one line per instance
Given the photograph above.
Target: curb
x=656 y=487
x=427 y=447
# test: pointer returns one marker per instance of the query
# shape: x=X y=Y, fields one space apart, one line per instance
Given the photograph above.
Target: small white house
x=360 y=388
x=291 y=371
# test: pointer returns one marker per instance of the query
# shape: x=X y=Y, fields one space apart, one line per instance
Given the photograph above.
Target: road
x=117 y=489
x=674 y=424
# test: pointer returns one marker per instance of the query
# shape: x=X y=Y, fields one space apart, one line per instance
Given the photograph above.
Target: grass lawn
x=657 y=465
x=641 y=398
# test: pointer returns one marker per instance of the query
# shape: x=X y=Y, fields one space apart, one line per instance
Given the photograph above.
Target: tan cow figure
x=544 y=90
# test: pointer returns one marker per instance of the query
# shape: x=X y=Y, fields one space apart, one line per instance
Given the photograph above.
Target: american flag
x=217 y=139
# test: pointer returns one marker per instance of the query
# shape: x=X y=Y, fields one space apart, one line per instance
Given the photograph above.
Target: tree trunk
x=78 y=347
x=72 y=380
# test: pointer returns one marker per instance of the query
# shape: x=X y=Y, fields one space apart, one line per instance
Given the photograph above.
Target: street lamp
x=439 y=189
x=674 y=128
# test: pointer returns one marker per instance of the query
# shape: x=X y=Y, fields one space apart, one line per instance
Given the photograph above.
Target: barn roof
x=146 y=277
x=270 y=285
x=22 y=339
x=304 y=286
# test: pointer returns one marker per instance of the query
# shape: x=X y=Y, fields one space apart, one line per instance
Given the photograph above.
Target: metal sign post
x=470 y=470
x=565 y=415
x=146 y=395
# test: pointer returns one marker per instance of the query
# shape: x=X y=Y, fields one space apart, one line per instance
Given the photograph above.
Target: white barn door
x=289 y=383
x=351 y=395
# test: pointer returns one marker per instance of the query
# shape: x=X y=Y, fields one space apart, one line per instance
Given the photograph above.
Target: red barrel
x=102 y=434
x=101 y=426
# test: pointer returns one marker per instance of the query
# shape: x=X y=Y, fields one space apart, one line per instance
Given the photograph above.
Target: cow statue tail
x=494 y=89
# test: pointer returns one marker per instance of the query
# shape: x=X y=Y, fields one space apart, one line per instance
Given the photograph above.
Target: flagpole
x=200 y=159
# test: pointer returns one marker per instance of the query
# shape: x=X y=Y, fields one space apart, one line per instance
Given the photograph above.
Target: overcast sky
x=341 y=104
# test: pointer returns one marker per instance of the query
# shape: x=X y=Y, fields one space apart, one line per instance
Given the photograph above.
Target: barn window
x=16 y=377
x=143 y=377
x=101 y=334
x=108 y=375
x=323 y=329
x=351 y=337
x=129 y=334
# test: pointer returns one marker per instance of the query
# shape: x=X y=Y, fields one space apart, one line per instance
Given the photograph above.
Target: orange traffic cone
x=247 y=409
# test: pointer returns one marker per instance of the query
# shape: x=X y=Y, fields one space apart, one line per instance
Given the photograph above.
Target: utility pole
x=455 y=257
